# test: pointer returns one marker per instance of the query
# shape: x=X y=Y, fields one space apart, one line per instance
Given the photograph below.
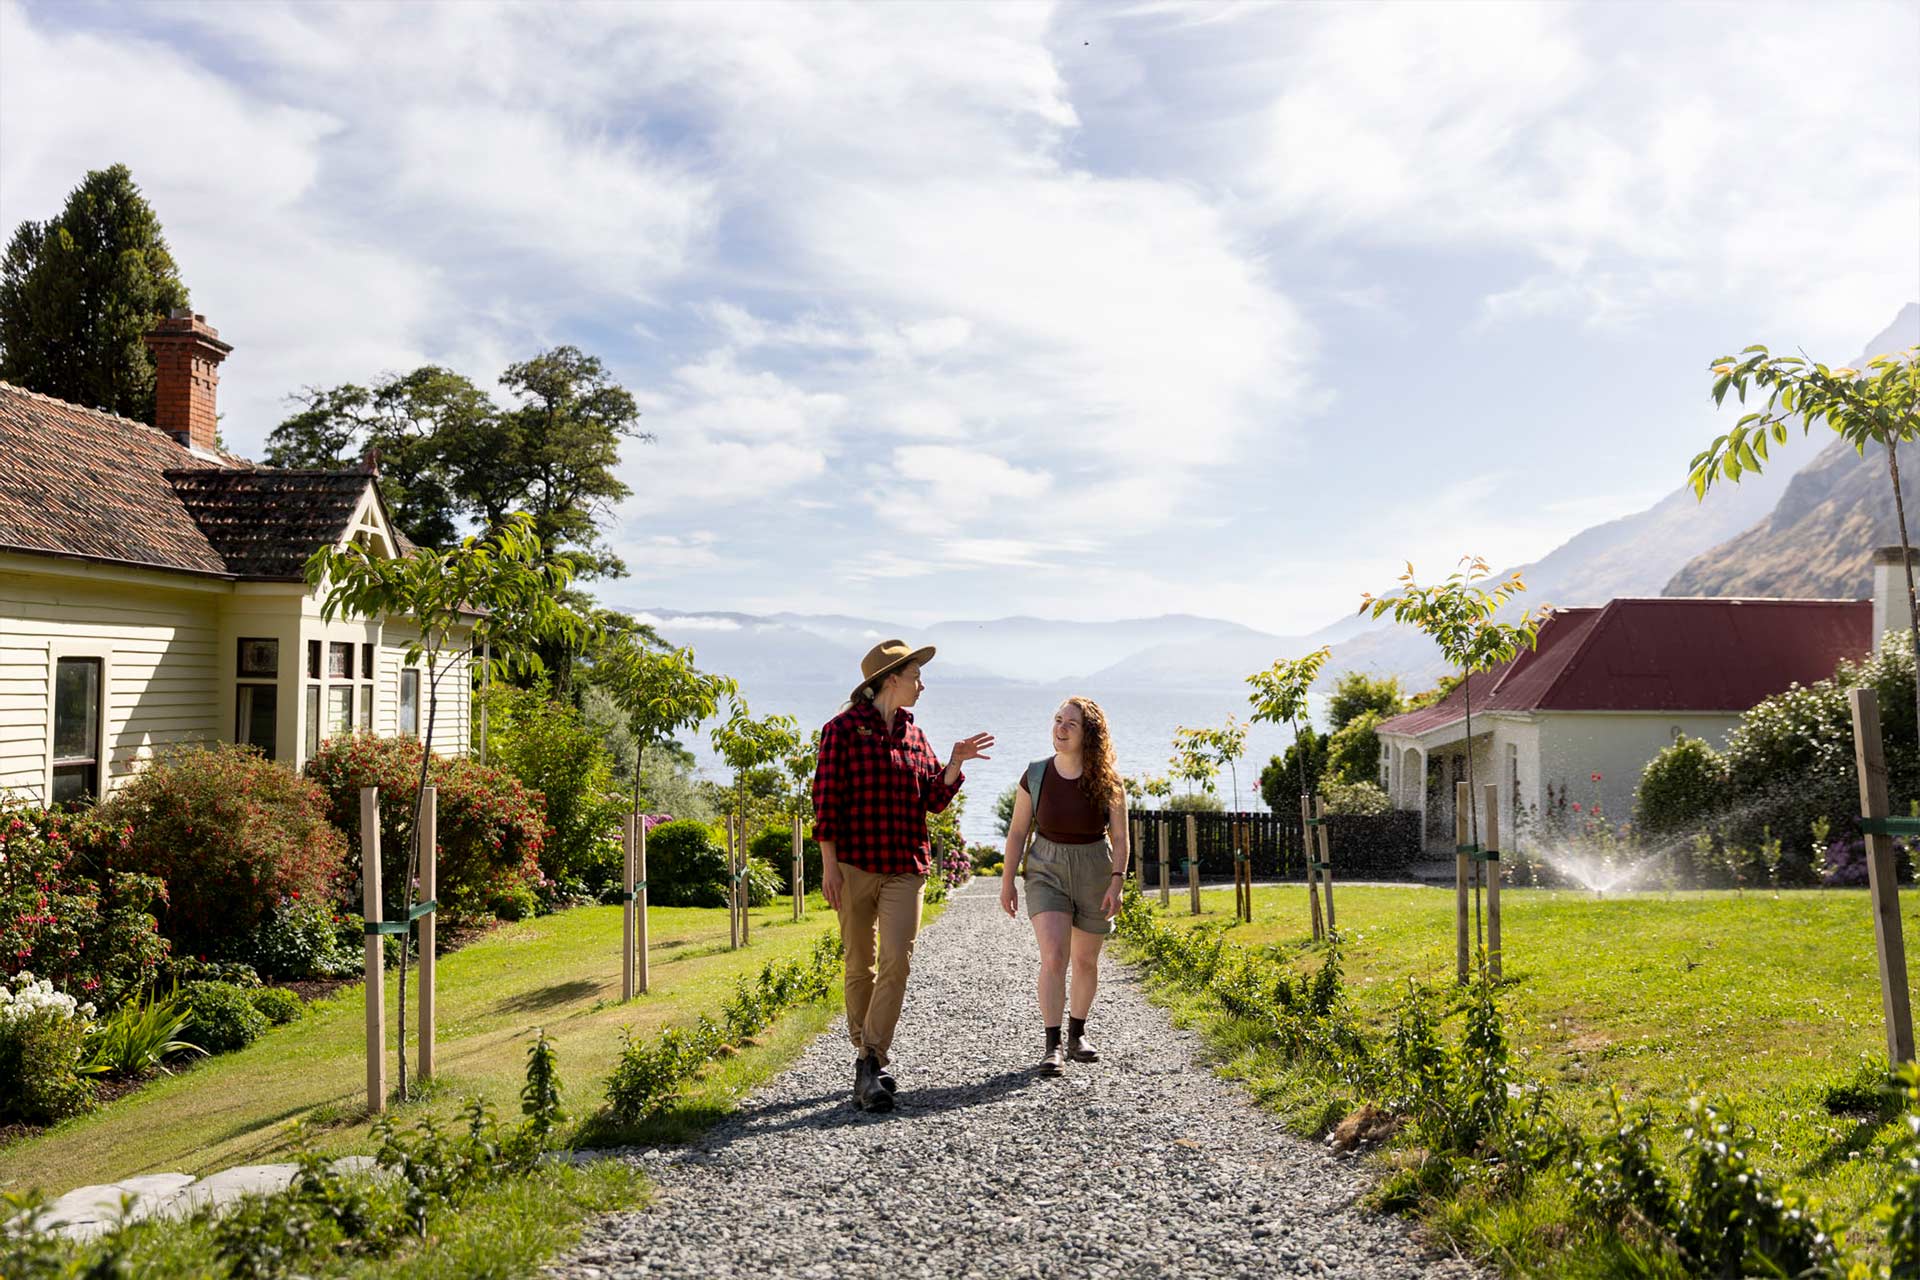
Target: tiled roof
x=264 y=524
x=87 y=483
x=1663 y=655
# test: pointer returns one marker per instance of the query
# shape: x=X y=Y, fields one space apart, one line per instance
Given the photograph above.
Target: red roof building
x=1605 y=690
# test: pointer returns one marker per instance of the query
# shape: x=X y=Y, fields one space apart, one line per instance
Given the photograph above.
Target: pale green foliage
x=1879 y=405
x=1280 y=692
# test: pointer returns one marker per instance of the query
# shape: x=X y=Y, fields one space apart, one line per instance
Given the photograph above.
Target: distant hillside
x=1818 y=540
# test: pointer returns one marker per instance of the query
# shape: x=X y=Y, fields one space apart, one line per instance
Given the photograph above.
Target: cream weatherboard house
x=152 y=592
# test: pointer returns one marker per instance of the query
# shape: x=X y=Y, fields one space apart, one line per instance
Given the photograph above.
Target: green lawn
x=1758 y=1000
x=560 y=972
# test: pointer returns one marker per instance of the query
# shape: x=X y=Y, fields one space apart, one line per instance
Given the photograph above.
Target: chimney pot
x=187 y=352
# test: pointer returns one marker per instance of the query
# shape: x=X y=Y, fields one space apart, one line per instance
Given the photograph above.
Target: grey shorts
x=1071 y=878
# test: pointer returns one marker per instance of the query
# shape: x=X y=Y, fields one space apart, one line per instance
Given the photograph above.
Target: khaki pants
x=871 y=903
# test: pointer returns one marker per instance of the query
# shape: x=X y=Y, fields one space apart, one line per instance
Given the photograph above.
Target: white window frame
x=96 y=651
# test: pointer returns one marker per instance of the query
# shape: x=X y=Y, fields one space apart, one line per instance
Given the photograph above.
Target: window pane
x=340 y=661
x=313 y=720
x=366 y=708
x=313 y=659
x=366 y=662
x=76 y=709
x=72 y=782
x=259 y=658
x=410 y=702
x=339 y=709
x=259 y=719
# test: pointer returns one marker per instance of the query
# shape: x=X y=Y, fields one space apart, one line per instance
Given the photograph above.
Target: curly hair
x=1099 y=773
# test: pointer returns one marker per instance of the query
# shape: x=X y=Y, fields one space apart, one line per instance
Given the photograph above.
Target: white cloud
x=685 y=622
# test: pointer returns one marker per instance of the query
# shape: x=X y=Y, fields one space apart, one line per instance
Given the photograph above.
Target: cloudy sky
x=972 y=309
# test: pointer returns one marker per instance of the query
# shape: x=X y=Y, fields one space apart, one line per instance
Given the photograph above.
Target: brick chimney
x=1890 y=611
x=187 y=352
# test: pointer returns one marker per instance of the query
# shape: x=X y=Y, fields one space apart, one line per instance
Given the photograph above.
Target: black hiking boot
x=872 y=1095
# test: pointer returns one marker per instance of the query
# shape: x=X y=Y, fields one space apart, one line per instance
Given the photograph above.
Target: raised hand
x=974 y=748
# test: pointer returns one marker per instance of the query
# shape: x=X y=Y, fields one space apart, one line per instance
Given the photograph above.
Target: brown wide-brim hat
x=883 y=660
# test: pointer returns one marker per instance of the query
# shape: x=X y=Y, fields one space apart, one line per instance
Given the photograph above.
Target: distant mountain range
x=1778 y=533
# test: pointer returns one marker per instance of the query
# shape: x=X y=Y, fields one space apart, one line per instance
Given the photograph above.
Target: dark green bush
x=1681 y=790
x=224 y=1018
x=686 y=866
x=278 y=1005
x=554 y=752
x=1353 y=750
x=774 y=847
x=1280 y=784
x=298 y=940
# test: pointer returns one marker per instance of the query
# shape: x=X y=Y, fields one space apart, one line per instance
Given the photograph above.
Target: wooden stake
x=1460 y=864
x=1308 y=842
x=371 y=906
x=733 y=891
x=746 y=886
x=640 y=900
x=627 y=877
x=799 y=866
x=1166 y=866
x=1490 y=821
x=1882 y=886
x=429 y=877
x=1193 y=862
x=1326 y=857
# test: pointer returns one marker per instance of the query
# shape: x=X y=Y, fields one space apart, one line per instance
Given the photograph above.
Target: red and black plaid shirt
x=874 y=788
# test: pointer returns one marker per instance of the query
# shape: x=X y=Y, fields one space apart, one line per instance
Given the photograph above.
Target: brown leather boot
x=1078 y=1050
x=873 y=1096
x=1055 y=1061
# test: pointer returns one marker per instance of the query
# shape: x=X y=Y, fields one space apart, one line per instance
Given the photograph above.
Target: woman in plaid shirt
x=876 y=782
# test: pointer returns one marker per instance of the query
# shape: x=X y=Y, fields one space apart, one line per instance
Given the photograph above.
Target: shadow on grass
x=548 y=997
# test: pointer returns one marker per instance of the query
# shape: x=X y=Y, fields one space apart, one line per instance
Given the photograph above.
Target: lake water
x=1021 y=718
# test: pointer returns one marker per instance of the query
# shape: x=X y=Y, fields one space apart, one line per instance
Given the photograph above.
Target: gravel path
x=1143 y=1164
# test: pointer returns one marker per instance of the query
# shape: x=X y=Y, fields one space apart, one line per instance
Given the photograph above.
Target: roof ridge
x=229 y=459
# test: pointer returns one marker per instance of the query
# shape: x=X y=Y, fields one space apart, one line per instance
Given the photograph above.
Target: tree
x=659 y=690
x=1192 y=760
x=407 y=421
x=553 y=455
x=1877 y=406
x=1224 y=746
x=749 y=745
x=1353 y=750
x=1303 y=765
x=1003 y=808
x=1458 y=613
x=1280 y=697
x=77 y=293
x=501 y=587
x=1355 y=693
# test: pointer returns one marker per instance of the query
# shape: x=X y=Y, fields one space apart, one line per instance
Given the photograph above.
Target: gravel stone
x=1142 y=1164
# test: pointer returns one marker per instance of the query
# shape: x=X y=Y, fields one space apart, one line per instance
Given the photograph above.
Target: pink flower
x=1576 y=806
x=1596 y=777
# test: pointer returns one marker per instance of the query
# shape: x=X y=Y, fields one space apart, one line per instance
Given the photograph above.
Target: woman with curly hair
x=1074 y=809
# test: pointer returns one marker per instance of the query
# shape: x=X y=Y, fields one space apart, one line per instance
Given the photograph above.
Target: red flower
x=1596 y=777
x=1576 y=807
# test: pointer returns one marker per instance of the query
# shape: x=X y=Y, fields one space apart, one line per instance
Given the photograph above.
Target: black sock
x=1053 y=1039
x=1076 y=1028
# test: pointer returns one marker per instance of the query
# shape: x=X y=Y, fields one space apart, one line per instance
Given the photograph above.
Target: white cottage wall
x=1575 y=745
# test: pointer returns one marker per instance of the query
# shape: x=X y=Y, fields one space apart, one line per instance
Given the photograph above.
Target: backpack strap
x=1036 y=775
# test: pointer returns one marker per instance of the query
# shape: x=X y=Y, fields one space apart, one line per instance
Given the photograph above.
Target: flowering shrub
x=231 y=834
x=953 y=867
x=43 y=1033
x=54 y=917
x=491 y=828
x=1359 y=799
